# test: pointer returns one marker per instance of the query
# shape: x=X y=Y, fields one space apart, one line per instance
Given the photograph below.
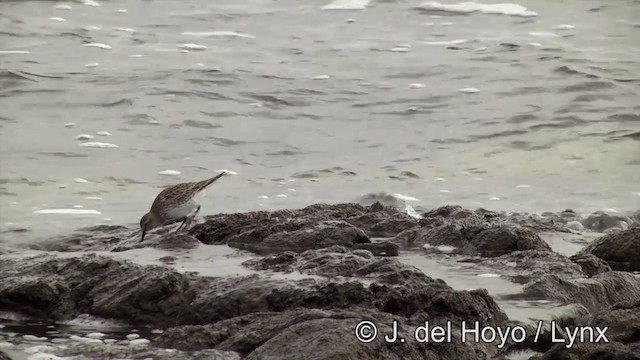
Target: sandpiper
x=174 y=204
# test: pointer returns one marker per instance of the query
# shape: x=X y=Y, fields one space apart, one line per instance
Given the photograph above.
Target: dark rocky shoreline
x=349 y=250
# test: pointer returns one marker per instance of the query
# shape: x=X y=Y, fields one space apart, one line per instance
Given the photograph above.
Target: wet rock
x=62 y=288
x=525 y=266
x=600 y=291
x=591 y=265
x=387 y=200
x=476 y=238
x=499 y=240
x=340 y=261
x=575 y=225
x=610 y=351
x=324 y=234
x=315 y=226
x=382 y=223
x=621 y=250
x=95 y=238
x=177 y=241
x=128 y=351
x=601 y=221
x=379 y=248
x=222 y=228
x=316 y=334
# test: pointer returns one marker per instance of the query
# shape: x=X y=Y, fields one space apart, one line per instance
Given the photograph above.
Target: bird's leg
x=192 y=218
x=184 y=220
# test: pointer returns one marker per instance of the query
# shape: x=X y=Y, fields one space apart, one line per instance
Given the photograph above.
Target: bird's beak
x=144 y=232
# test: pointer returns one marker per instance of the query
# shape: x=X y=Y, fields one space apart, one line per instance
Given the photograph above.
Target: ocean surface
x=526 y=107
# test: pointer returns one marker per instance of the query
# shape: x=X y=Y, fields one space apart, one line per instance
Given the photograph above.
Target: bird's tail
x=203 y=184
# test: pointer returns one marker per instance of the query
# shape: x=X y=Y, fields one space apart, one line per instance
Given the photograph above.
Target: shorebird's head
x=148 y=222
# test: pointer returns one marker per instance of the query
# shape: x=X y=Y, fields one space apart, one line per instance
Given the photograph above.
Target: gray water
x=314 y=105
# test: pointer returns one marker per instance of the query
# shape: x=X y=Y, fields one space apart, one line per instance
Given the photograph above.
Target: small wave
x=218 y=33
x=201 y=124
x=346 y=5
x=98 y=45
x=68 y=212
x=404 y=197
x=170 y=172
x=471 y=7
x=98 y=145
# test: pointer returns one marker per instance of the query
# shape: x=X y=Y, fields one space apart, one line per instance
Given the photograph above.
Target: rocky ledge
x=345 y=259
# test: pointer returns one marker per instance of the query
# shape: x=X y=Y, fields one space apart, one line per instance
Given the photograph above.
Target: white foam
x=281 y=196
x=346 y=5
x=411 y=212
x=70 y=124
x=404 y=197
x=223 y=33
x=5 y=344
x=522 y=186
x=93 y=198
x=56 y=18
x=138 y=342
x=292 y=190
x=169 y=172
x=98 y=145
x=446 y=248
x=80 y=180
x=91 y=3
x=154 y=122
x=103 y=133
x=228 y=172
x=321 y=77
x=535 y=44
x=444 y=191
x=96 y=335
x=63 y=7
x=157 y=331
x=85 y=339
x=469 y=90
x=98 y=45
x=440 y=179
x=121 y=11
x=495 y=198
x=15 y=52
x=110 y=341
x=92 y=64
x=349 y=21
x=92 y=28
x=33 y=338
x=263 y=197
x=446 y=43
x=133 y=336
x=416 y=86
x=543 y=34
x=136 y=56
x=489 y=275
x=471 y=7
x=400 y=49
x=563 y=27
x=124 y=29
x=84 y=137
x=192 y=46
x=67 y=212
